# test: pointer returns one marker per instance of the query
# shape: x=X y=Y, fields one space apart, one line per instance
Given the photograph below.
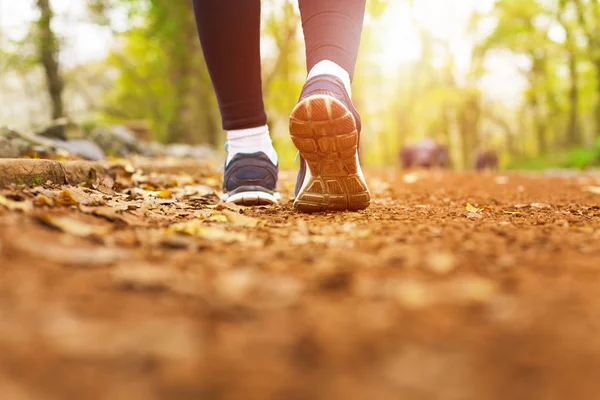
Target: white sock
x=327 y=67
x=248 y=141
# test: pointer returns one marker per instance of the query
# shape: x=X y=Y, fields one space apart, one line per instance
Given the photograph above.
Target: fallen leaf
x=13 y=205
x=215 y=217
x=66 y=198
x=80 y=257
x=473 y=212
x=163 y=202
x=198 y=190
x=73 y=226
x=473 y=209
x=208 y=199
x=42 y=200
x=108 y=182
x=164 y=194
x=113 y=214
x=78 y=195
x=240 y=220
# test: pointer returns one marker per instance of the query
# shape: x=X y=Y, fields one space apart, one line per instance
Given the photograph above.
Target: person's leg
x=332 y=31
x=325 y=126
x=229 y=32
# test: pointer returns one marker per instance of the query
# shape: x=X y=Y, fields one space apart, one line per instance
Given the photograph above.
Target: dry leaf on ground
x=240 y=220
x=66 y=198
x=114 y=214
x=164 y=194
x=198 y=229
x=13 y=205
x=43 y=200
x=473 y=212
x=73 y=226
x=83 y=257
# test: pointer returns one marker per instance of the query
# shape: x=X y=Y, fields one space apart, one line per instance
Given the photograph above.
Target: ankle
x=327 y=67
x=252 y=140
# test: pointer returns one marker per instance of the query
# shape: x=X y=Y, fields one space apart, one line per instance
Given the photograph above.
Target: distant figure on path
x=486 y=160
x=425 y=154
x=325 y=126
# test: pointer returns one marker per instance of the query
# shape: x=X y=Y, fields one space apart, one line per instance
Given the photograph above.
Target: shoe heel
x=325 y=133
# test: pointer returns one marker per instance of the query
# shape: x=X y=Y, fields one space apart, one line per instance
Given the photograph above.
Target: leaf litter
x=329 y=290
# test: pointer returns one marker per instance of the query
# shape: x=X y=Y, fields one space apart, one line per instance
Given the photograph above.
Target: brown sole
x=325 y=133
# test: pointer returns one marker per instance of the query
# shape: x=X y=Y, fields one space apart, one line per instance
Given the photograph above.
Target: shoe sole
x=325 y=133
x=252 y=199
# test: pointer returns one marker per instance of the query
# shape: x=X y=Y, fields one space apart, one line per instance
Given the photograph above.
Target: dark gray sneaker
x=251 y=180
x=325 y=127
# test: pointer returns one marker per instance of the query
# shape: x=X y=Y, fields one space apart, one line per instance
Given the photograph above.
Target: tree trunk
x=597 y=107
x=48 y=52
x=573 y=131
x=539 y=125
x=181 y=70
x=589 y=23
x=536 y=80
x=469 y=128
x=573 y=134
x=541 y=137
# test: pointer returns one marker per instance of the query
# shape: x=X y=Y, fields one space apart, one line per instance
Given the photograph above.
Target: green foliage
x=140 y=90
x=575 y=158
x=581 y=158
x=160 y=76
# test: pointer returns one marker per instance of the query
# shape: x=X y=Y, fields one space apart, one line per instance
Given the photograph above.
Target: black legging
x=230 y=35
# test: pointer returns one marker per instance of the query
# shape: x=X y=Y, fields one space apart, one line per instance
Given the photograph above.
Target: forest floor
x=451 y=286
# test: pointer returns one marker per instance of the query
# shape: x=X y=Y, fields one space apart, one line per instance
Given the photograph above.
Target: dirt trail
x=451 y=286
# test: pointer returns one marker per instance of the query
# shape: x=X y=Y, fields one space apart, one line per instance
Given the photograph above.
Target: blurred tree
x=522 y=27
x=588 y=13
x=284 y=69
x=156 y=72
x=161 y=72
x=573 y=135
x=48 y=53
